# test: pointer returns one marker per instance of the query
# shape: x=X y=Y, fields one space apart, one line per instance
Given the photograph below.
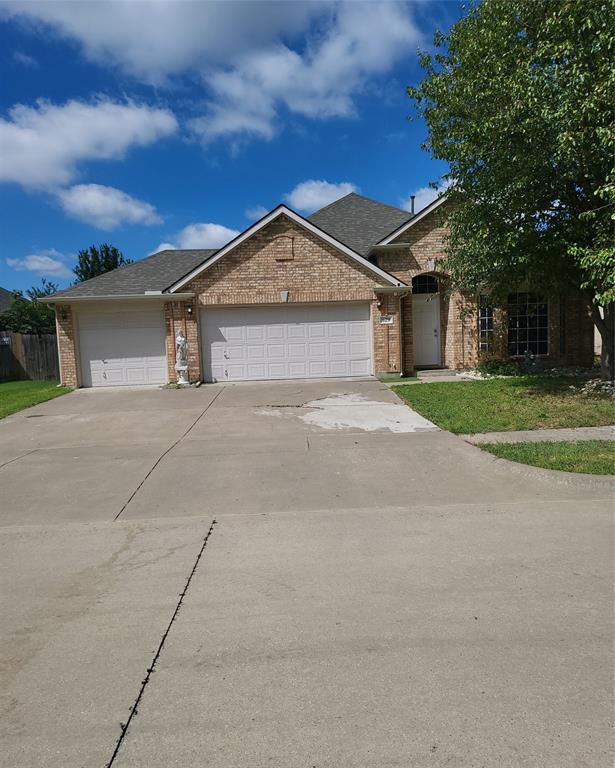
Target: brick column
x=182 y=315
x=387 y=337
x=67 y=352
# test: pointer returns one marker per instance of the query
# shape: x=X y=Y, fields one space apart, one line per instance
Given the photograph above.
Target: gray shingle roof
x=6 y=299
x=358 y=221
x=154 y=273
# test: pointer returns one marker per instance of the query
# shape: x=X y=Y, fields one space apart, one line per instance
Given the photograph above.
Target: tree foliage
x=28 y=314
x=518 y=99
x=95 y=261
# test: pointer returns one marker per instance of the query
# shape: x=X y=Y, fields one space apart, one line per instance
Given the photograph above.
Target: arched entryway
x=426 y=321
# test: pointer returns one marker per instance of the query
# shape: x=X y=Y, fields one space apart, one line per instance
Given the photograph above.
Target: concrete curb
x=543 y=435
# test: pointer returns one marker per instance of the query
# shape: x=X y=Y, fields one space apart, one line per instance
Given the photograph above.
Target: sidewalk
x=543 y=435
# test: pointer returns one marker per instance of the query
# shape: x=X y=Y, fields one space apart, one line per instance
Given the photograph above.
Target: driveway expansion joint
x=134 y=710
x=165 y=453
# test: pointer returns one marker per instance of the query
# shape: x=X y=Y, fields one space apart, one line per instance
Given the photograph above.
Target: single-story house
x=352 y=290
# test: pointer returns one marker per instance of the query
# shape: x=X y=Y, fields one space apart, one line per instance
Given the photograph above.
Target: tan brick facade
x=285 y=262
x=284 y=256
x=459 y=313
x=67 y=347
x=183 y=316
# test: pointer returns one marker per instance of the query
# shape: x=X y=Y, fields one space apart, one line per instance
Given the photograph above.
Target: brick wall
x=459 y=313
x=283 y=256
x=183 y=316
x=67 y=349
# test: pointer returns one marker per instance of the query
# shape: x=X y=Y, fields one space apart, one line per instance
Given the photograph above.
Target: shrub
x=497 y=367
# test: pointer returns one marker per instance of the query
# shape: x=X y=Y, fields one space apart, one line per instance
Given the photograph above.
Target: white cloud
x=42 y=146
x=256 y=59
x=47 y=263
x=312 y=194
x=423 y=196
x=106 y=207
x=362 y=40
x=200 y=236
x=19 y=57
x=155 y=40
x=256 y=213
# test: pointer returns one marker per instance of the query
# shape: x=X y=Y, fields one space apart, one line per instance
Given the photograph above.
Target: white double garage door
x=126 y=346
x=288 y=342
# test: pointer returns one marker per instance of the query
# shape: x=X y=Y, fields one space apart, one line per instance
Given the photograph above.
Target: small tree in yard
x=518 y=99
x=28 y=314
x=94 y=261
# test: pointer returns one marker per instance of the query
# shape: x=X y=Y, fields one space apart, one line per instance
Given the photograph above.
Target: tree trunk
x=606 y=329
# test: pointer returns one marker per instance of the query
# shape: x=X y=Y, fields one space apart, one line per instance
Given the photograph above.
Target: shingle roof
x=358 y=221
x=6 y=299
x=154 y=273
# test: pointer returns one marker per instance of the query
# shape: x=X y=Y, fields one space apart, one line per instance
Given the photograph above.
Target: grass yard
x=504 y=405
x=17 y=395
x=593 y=457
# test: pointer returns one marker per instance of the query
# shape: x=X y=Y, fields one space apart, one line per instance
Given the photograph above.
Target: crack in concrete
x=23 y=455
x=134 y=710
x=168 y=450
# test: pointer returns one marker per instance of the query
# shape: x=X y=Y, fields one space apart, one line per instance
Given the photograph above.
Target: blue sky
x=176 y=124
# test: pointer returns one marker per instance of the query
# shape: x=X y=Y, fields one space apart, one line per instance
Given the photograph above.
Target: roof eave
x=151 y=296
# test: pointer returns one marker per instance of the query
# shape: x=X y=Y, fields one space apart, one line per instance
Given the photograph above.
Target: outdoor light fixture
x=189 y=310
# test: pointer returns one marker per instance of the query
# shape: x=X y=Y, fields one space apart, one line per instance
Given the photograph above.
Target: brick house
x=352 y=290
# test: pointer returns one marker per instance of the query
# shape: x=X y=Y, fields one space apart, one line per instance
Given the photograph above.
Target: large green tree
x=519 y=101
x=29 y=313
x=94 y=261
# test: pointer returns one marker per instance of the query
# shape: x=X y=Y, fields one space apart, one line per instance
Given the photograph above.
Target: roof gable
x=282 y=210
x=414 y=220
x=359 y=221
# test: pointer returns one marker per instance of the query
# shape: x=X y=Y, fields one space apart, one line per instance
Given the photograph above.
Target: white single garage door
x=289 y=342
x=122 y=347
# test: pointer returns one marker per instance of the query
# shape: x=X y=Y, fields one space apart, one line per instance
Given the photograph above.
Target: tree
x=28 y=314
x=518 y=99
x=96 y=261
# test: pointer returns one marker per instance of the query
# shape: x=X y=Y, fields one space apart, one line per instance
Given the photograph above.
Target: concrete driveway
x=374 y=592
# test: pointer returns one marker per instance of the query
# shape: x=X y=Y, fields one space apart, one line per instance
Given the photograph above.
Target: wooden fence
x=25 y=356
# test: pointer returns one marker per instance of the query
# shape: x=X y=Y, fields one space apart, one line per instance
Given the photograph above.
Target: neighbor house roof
x=358 y=221
x=6 y=299
x=154 y=273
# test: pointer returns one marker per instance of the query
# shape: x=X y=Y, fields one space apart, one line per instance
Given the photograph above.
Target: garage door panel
x=122 y=348
x=297 y=342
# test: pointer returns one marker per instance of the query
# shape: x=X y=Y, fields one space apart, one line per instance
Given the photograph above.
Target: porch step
x=437 y=374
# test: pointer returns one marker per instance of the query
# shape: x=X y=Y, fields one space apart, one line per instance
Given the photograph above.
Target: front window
x=424 y=284
x=528 y=324
x=485 y=327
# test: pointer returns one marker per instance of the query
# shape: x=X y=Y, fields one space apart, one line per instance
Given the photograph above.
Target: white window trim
x=282 y=210
x=414 y=220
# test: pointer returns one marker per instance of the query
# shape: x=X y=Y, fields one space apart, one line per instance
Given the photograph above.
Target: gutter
x=147 y=296
x=396 y=290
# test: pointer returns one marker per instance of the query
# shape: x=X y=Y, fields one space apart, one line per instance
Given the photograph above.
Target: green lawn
x=17 y=395
x=504 y=405
x=593 y=457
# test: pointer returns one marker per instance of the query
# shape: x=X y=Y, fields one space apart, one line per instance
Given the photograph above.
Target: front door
x=426 y=329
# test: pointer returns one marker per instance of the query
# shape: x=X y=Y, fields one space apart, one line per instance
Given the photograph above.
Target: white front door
x=286 y=342
x=426 y=329
x=122 y=347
